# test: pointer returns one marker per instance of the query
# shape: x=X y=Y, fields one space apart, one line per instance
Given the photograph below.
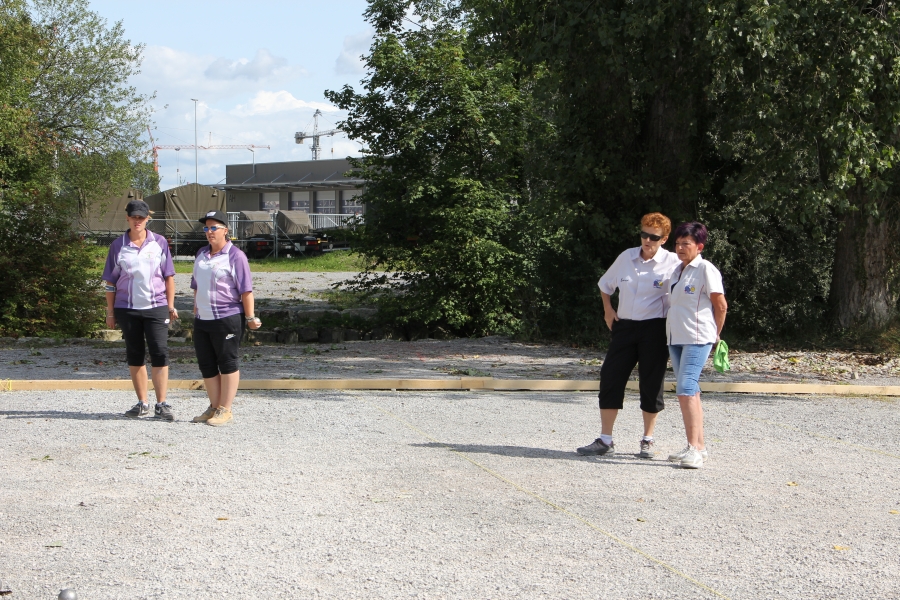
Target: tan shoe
x=222 y=417
x=206 y=416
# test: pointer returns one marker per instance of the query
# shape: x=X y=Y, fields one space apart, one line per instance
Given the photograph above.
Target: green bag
x=720 y=358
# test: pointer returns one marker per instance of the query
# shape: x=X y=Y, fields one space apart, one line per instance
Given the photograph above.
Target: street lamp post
x=196 y=162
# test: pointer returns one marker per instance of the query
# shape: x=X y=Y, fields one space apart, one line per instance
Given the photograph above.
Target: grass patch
x=344 y=299
x=330 y=262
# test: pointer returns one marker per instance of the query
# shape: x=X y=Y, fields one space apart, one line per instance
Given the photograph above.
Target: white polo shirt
x=691 y=319
x=641 y=283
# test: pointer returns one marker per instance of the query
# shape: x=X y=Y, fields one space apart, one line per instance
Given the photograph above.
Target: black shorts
x=641 y=343
x=149 y=323
x=218 y=343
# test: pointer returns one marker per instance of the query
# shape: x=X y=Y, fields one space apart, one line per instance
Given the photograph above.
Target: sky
x=259 y=70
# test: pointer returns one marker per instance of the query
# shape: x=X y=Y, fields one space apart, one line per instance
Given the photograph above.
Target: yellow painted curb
x=464 y=383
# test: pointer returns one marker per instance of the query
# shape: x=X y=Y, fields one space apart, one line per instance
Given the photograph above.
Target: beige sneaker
x=206 y=416
x=222 y=417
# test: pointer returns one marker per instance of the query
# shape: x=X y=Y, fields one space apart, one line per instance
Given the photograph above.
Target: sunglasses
x=214 y=228
x=650 y=236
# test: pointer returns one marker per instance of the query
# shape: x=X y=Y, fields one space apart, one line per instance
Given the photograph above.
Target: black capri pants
x=149 y=323
x=218 y=343
x=633 y=343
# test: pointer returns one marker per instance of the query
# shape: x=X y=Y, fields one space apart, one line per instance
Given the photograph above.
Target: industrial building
x=318 y=187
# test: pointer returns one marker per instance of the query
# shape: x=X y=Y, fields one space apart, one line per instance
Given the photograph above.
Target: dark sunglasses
x=650 y=236
x=218 y=227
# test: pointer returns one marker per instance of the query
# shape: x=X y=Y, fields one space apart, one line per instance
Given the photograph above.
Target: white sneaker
x=679 y=456
x=693 y=459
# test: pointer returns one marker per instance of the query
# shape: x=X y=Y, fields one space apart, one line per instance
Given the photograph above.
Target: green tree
x=441 y=118
x=772 y=120
x=69 y=127
x=810 y=107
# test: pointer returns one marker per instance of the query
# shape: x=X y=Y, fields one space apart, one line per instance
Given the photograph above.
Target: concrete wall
x=239 y=201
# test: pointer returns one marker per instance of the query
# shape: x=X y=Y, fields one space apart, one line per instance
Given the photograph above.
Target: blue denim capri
x=687 y=362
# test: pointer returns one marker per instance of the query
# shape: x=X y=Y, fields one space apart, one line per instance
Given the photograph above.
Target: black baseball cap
x=137 y=208
x=216 y=215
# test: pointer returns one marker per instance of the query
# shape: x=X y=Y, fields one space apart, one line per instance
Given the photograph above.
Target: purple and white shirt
x=220 y=279
x=139 y=273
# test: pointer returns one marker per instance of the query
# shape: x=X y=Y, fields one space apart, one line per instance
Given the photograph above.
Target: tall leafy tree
x=441 y=114
x=809 y=96
x=81 y=96
x=68 y=136
x=773 y=120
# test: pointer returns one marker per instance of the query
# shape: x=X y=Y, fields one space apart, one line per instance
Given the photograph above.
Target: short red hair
x=657 y=220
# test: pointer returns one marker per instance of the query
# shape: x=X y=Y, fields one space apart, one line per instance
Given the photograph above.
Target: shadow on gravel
x=755 y=398
x=61 y=414
x=526 y=452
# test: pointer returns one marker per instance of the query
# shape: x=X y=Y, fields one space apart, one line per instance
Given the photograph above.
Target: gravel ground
x=492 y=356
x=273 y=289
x=445 y=495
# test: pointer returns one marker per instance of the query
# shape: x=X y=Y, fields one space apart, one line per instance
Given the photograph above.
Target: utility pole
x=196 y=162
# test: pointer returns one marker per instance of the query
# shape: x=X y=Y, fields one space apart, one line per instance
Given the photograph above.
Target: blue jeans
x=688 y=361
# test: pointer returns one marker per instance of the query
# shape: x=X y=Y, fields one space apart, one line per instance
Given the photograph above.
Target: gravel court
x=340 y=493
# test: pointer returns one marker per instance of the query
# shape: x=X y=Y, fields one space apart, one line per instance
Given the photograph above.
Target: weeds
x=330 y=262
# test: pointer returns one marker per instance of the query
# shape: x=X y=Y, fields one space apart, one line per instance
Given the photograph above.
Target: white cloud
x=235 y=110
x=263 y=65
x=267 y=103
x=176 y=74
x=349 y=61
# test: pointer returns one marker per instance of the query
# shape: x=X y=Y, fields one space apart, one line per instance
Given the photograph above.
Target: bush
x=49 y=289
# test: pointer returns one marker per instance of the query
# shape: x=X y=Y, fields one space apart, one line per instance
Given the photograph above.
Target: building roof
x=294 y=175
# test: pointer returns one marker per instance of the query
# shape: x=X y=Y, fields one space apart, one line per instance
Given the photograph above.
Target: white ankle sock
x=606 y=439
x=647 y=438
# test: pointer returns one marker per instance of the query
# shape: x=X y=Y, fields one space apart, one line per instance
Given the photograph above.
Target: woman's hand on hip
x=610 y=317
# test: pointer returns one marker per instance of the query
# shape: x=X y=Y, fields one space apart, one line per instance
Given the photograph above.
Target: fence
x=319 y=221
x=257 y=237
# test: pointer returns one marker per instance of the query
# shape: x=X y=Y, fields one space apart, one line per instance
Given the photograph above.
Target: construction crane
x=178 y=147
x=316 y=148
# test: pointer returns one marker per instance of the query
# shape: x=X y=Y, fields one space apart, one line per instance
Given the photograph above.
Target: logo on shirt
x=689 y=289
x=625 y=279
x=657 y=283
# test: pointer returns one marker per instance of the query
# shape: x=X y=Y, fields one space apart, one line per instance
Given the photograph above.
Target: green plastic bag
x=720 y=358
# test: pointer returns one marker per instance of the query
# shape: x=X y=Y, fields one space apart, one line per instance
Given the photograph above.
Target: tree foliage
x=774 y=121
x=441 y=120
x=69 y=127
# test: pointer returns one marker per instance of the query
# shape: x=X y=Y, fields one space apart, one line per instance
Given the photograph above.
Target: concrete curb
x=464 y=383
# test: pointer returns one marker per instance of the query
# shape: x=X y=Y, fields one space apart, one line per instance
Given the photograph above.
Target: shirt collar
x=128 y=241
x=224 y=249
x=696 y=261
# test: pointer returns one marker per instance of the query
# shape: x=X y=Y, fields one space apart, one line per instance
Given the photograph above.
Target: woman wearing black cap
x=140 y=298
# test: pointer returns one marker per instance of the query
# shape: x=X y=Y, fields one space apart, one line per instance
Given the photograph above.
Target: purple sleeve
x=243 y=280
x=168 y=269
x=111 y=270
